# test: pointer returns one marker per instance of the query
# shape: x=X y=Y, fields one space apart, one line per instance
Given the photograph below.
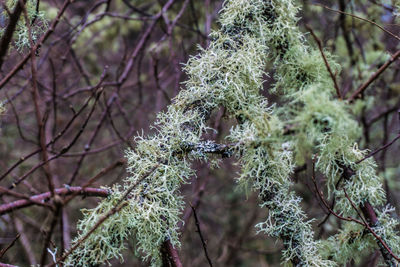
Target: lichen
x=323 y=126
x=37 y=21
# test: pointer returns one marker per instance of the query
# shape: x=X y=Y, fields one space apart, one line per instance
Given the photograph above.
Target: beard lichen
x=324 y=127
x=36 y=18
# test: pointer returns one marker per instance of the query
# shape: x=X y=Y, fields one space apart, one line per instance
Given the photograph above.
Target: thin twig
x=360 y=18
x=383 y=114
x=62 y=132
x=365 y=223
x=4 y=250
x=379 y=149
x=319 y=43
x=17 y=120
x=63 y=150
x=92 y=138
x=129 y=65
x=374 y=76
x=201 y=236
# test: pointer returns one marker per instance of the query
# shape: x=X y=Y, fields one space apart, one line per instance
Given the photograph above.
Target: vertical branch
x=342 y=21
x=207 y=24
x=49 y=233
x=35 y=95
x=24 y=240
x=203 y=242
x=170 y=255
x=8 y=33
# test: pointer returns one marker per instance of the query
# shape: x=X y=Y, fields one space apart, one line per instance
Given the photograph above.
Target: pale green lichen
x=2 y=108
x=21 y=34
x=354 y=242
x=322 y=125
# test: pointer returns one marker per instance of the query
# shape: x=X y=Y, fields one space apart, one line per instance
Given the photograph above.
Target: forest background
x=83 y=78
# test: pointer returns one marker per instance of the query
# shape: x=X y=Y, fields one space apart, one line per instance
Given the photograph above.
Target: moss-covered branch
x=229 y=73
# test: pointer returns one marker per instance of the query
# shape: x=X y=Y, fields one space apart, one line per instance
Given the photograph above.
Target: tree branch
x=23 y=203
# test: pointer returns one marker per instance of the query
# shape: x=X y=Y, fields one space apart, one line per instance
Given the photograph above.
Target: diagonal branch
x=374 y=76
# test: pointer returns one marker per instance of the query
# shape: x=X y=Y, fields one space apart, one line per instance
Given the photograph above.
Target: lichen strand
x=266 y=166
x=2 y=108
x=322 y=125
x=37 y=20
x=100 y=247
